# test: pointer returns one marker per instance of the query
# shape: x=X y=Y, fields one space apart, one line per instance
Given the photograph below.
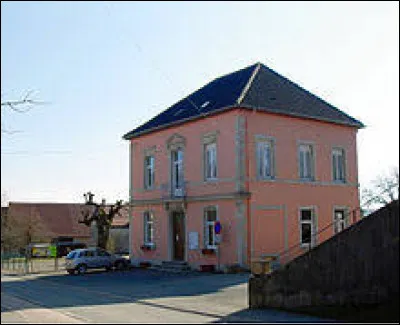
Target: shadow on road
x=100 y=288
x=143 y=287
x=270 y=316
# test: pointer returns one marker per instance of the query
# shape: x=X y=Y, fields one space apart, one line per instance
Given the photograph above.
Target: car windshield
x=71 y=255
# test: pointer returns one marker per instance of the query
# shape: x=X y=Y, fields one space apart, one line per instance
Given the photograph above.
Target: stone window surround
x=145 y=225
x=205 y=223
x=313 y=160
x=346 y=210
x=344 y=164
x=259 y=138
x=206 y=139
x=314 y=226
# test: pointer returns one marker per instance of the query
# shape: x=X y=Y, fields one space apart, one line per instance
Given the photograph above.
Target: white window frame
x=148 y=222
x=340 y=225
x=211 y=162
x=177 y=170
x=313 y=222
x=336 y=175
x=207 y=224
x=262 y=162
x=308 y=166
x=149 y=168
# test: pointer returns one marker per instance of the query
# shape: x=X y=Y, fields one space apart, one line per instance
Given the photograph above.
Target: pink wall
x=265 y=225
x=193 y=132
x=287 y=189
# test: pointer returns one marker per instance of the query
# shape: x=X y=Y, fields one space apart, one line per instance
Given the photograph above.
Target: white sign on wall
x=193 y=240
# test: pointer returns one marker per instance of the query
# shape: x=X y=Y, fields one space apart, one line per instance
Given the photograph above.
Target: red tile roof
x=60 y=219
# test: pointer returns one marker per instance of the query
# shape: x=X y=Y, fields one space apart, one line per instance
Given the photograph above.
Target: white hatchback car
x=79 y=260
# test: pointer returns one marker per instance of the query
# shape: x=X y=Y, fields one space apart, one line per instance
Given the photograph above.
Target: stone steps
x=172 y=267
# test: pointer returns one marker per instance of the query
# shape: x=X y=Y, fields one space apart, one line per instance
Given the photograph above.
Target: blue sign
x=217 y=227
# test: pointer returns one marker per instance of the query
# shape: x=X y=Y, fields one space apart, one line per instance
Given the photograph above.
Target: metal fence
x=20 y=264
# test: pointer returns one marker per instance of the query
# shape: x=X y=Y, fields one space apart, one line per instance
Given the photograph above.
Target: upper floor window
x=265 y=159
x=148 y=228
x=149 y=172
x=340 y=220
x=177 y=169
x=306 y=162
x=338 y=165
x=307 y=227
x=210 y=161
x=210 y=216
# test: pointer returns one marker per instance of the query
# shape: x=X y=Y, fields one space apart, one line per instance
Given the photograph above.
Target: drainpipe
x=247 y=187
x=131 y=151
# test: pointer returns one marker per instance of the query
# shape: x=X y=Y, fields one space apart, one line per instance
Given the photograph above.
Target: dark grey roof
x=256 y=86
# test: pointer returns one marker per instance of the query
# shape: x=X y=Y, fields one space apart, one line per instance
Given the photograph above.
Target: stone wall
x=358 y=266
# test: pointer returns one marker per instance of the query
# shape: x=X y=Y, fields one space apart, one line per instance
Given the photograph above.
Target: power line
x=45 y=152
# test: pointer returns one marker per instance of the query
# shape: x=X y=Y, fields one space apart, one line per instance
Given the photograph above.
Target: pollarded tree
x=103 y=216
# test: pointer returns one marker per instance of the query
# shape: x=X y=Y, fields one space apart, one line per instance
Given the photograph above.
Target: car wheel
x=108 y=268
x=71 y=272
x=119 y=265
x=81 y=269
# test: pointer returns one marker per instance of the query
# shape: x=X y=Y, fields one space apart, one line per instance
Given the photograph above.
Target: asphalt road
x=135 y=296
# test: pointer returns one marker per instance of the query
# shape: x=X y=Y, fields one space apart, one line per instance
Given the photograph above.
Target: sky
x=102 y=69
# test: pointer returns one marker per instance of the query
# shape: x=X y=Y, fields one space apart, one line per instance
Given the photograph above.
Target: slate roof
x=254 y=87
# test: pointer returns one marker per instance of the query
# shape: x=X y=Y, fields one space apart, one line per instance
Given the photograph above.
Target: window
x=149 y=172
x=177 y=169
x=307 y=227
x=338 y=166
x=71 y=255
x=211 y=161
x=306 y=162
x=340 y=220
x=101 y=252
x=210 y=216
x=88 y=254
x=148 y=228
x=265 y=159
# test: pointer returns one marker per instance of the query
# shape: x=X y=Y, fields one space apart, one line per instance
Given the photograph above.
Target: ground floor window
x=210 y=216
x=340 y=220
x=307 y=227
x=148 y=228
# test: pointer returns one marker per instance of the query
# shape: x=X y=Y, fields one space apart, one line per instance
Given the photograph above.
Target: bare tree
x=22 y=105
x=384 y=189
x=102 y=215
x=19 y=230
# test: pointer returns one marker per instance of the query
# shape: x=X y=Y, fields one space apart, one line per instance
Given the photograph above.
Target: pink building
x=271 y=162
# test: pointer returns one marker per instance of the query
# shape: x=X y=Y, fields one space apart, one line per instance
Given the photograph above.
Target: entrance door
x=178 y=235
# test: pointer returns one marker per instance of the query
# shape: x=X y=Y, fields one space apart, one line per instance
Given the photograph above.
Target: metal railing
x=21 y=264
x=169 y=192
x=263 y=266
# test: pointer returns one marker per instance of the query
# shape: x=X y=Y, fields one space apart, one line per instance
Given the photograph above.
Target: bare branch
x=103 y=214
x=23 y=105
x=384 y=190
x=10 y=131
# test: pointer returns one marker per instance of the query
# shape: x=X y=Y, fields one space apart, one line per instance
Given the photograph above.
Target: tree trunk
x=102 y=238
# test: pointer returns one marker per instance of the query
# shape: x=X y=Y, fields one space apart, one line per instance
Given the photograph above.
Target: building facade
x=49 y=222
x=269 y=162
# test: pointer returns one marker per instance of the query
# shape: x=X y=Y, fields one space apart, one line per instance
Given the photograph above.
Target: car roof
x=87 y=249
